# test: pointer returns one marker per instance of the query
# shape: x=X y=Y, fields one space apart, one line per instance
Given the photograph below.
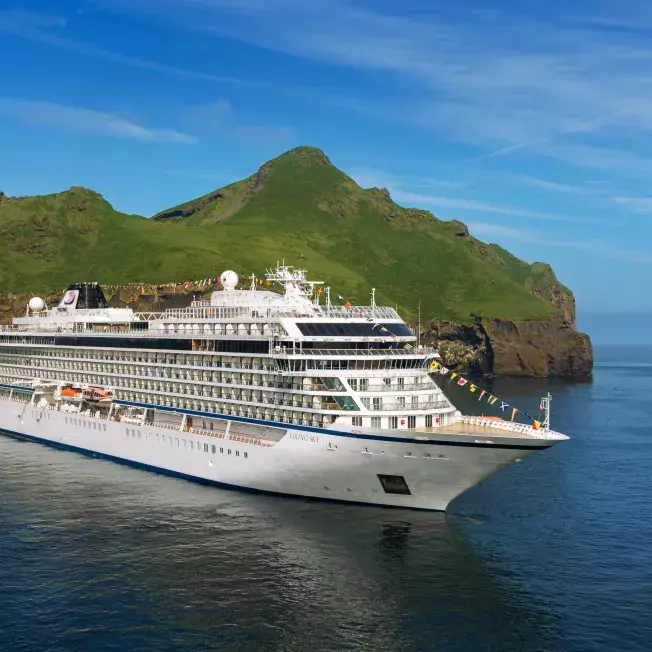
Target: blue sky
x=531 y=124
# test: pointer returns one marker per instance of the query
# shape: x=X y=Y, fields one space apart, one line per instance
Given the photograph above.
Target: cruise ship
x=277 y=392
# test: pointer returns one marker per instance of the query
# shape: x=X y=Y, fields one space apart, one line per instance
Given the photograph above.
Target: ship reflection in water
x=106 y=556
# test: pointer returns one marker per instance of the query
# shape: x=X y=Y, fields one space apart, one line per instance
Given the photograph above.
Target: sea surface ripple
x=553 y=554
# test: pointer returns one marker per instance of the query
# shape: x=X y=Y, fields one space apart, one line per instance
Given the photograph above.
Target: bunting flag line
x=437 y=367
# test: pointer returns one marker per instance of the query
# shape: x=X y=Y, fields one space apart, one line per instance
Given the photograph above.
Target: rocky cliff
x=543 y=346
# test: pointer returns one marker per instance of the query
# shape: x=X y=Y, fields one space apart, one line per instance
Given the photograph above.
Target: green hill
x=298 y=207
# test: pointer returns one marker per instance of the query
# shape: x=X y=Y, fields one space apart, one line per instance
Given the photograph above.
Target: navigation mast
x=545 y=404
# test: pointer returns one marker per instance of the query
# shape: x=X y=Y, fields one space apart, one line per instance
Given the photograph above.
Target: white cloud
x=492 y=78
x=373 y=178
x=479 y=206
x=33 y=26
x=367 y=177
x=219 y=118
x=86 y=122
x=639 y=204
x=487 y=230
x=612 y=160
x=598 y=247
x=20 y=17
x=547 y=184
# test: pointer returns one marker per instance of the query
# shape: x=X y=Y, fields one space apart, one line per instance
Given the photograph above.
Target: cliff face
x=547 y=346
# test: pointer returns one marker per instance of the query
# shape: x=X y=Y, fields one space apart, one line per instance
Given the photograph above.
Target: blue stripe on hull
x=192 y=478
x=334 y=433
x=17 y=387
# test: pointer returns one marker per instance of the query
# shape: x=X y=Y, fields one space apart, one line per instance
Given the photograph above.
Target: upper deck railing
x=205 y=310
x=351 y=353
x=519 y=428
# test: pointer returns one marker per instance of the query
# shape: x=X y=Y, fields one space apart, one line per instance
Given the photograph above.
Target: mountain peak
x=303 y=155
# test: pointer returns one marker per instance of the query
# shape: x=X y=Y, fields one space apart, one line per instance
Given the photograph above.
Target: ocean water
x=553 y=554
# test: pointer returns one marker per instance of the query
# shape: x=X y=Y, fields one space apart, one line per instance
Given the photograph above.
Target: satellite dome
x=229 y=280
x=36 y=304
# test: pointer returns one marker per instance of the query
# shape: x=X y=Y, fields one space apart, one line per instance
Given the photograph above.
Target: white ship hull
x=319 y=464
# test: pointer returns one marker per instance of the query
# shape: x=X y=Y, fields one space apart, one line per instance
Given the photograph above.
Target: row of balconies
x=256 y=396
x=214 y=363
x=256 y=380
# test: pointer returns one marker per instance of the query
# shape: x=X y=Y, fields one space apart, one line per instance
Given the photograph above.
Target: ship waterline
x=253 y=390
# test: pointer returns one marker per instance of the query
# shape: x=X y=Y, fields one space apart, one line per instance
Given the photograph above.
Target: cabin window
x=375 y=422
x=237 y=453
x=221 y=450
x=428 y=420
x=393 y=423
x=205 y=448
x=356 y=421
x=213 y=449
x=412 y=422
x=246 y=455
x=229 y=451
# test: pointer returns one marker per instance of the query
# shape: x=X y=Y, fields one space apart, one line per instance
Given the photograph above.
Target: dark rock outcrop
x=544 y=346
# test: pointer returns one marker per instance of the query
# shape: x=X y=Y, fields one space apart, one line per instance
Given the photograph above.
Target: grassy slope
x=315 y=216
x=305 y=210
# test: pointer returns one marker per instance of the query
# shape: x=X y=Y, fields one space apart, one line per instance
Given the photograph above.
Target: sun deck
x=479 y=426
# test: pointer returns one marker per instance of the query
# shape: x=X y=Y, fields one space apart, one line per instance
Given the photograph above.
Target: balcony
x=408 y=407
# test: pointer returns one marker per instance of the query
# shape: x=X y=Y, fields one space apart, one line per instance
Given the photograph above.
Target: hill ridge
x=297 y=206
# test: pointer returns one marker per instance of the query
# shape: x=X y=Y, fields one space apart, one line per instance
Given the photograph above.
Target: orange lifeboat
x=71 y=392
x=97 y=395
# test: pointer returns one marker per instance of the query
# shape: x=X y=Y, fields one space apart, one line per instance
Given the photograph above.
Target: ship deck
x=478 y=426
